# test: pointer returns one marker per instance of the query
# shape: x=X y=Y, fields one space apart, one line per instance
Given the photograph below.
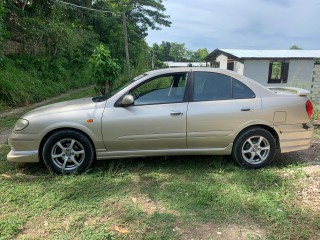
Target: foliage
x=57 y=40
x=142 y=14
x=105 y=69
x=2 y=13
x=200 y=54
x=295 y=47
x=177 y=51
x=172 y=51
x=22 y=81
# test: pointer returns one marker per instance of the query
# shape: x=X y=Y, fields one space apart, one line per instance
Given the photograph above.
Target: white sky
x=245 y=24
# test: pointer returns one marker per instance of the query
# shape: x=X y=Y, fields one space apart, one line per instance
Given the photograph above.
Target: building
x=294 y=68
x=172 y=64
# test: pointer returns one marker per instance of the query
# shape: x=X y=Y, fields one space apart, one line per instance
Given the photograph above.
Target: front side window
x=278 y=72
x=209 y=86
x=164 y=89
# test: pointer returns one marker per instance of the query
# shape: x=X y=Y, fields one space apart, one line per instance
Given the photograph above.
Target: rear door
x=218 y=107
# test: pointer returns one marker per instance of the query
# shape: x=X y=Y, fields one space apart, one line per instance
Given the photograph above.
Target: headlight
x=21 y=124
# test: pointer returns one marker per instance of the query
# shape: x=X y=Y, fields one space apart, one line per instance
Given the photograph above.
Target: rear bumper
x=295 y=137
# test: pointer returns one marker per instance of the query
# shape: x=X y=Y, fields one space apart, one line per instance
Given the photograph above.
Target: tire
x=255 y=148
x=68 y=151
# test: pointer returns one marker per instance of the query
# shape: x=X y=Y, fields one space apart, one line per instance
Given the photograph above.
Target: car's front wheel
x=254 y=148
x=68 y=151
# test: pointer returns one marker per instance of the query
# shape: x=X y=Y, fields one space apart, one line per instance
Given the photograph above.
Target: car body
x=176 y=111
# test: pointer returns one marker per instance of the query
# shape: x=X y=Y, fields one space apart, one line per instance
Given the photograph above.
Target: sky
x=241 y=24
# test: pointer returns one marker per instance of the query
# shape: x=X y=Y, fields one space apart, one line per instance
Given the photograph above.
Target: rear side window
x=241 y=91
x=211 y=86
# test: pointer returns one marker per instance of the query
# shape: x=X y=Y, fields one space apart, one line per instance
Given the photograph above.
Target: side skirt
x=165 y=152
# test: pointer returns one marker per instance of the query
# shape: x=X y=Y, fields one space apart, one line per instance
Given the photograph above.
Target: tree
x=172 y=51
x=201 y=54
x=177 y=51
x=295 y=47
x=1 y=28
x=105 y=68
x=142 y=14
x=164 y=51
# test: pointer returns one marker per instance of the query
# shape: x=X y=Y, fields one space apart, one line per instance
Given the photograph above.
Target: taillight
x=309 y=108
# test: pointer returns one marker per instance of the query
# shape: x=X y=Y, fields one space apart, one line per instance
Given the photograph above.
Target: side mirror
x=127 y=100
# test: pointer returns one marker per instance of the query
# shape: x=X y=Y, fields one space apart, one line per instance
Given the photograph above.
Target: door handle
x=173 y=113
x=245 y=109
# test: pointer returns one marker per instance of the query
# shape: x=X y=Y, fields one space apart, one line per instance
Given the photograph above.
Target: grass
x=152 y=198
x=22 y=83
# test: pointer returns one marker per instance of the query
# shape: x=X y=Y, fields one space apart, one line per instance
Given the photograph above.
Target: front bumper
x=23 y=156
x=24 y=148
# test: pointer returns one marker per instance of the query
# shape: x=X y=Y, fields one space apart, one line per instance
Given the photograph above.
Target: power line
x=124 y=21
x=87 y=8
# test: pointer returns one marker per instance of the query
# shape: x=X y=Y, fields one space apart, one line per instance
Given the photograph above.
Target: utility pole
x=125 y=34
x=125 y=29
x=152 y=59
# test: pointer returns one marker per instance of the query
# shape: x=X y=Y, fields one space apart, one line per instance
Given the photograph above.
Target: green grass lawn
x=153 y=198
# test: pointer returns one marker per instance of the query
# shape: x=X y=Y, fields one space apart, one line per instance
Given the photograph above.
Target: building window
x=278 y=72
x=230 y=64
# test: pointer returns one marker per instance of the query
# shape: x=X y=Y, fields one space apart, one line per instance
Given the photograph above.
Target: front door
x=156 y=120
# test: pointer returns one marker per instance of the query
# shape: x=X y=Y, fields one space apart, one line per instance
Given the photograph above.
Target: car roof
x=196 y=69
x=257 y=87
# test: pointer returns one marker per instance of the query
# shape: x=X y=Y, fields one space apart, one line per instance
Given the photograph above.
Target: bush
x=27 y=81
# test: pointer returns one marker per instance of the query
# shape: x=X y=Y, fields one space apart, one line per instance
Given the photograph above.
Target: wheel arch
x=273 y=132
x=48 y=134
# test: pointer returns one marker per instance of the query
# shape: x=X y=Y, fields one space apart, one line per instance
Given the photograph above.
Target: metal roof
x=184 y=64
x=267 y=54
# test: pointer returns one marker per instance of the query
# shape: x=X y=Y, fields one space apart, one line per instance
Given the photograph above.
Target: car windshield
x=116 y=90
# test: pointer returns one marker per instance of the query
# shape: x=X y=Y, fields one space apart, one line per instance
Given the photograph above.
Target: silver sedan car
x=181 y=111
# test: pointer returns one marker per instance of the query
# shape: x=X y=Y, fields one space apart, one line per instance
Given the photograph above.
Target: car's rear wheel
x=68 y=151
x=254 y=148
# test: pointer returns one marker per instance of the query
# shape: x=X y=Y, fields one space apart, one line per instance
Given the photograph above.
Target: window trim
x=284 y=72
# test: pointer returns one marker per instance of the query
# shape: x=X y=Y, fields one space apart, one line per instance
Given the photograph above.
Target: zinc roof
x=263 y=54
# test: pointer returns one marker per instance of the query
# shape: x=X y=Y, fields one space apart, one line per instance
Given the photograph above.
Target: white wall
x=223 y=61
x=257 y=70
x=300 y=73
x=315 y=93
x=238 y=67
